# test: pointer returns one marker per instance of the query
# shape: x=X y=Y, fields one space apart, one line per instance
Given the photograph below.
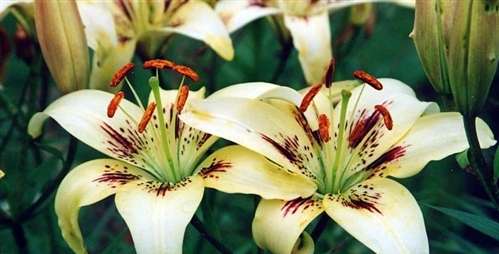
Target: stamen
x=328 y=79
x=324 y=128
x=114 y=103
x=158 y=64
x=309 y=96
x=183 y=93
x=146 y=117
x=121 y=74
x=368 y=78
x=387 y=118
x=186 y=71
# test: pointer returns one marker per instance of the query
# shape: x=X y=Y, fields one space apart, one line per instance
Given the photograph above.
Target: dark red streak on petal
x=391 y=155
x=127 y=147
x=214 y=167
x=292 y=206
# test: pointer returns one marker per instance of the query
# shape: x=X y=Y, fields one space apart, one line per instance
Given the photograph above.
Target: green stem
x=320 y=227
x=19 y=237
x=447 y=103
x=478 y=163
x=206 y=235
x=51 y=186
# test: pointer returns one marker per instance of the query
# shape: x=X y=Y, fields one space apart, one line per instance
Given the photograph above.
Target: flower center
x=164 y=166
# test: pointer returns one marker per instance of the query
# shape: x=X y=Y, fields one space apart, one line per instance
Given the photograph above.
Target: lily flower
x=114 y=28
x=350 y=149
x=156 y=170
x=1 y=173
x=306 y=21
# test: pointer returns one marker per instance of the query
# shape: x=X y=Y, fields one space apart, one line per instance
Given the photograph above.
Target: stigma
x=114 y=103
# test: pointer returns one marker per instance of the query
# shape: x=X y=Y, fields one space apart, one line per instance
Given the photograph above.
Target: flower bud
x=458 y=42
x=63 y=43
x=473 y=53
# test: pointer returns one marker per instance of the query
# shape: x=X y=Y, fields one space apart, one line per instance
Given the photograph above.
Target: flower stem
x=206 y=235
x=320 y=227
x=20 y=237
x=478 y=163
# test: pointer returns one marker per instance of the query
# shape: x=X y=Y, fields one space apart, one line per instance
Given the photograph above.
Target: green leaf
x=496 y=166
x=480 y=223
x=462 y=159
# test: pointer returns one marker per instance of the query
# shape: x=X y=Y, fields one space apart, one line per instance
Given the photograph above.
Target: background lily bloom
x=155 y=169
x=114 y=28
x=306 y=21
x=346 y=151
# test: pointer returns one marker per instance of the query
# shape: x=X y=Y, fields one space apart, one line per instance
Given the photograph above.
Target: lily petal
x=278 y=224
x=368 y=143
x=157 y=214
x=236 y=14
x=198 y=20
x=382 y=214
x=235 y=169
x=312 y=38
x=86 y=184
x=269 y=131
x=83 y=115
x=2 y=174
x=259 y=90
x=434 y=137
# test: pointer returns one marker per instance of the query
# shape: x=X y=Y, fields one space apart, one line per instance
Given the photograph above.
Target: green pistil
x=154 y=83
x=331 y=174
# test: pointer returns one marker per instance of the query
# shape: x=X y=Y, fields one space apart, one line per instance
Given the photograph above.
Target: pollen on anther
x=186 y=71
x=158 y=64
x=114 y=103
x=121 y=74
x=147 y=116
x=183 y=93
x=309 y=96
x=368 y=78
x=324 y=128
x=387 y=118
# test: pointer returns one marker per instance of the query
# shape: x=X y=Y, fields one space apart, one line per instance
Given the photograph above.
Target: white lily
x=156 y=169
x=307 y=21
x=346 y=149
x=113 y=29
x=1 y=173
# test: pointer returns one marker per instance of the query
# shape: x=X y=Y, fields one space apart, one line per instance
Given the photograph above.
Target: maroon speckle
x=292 y=206
x=116 y=177
x=127 y=147
x=214 y=167
x=393 y=154
x=203 y=140
x=361 y=204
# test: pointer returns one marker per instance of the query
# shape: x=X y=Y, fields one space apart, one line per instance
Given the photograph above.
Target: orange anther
x=186 y=71
x=387 y=118
x=328 y=79
x=158 y=64
x=114 y=103
x=183 y=93
x=309 y=96
x=324 y=128
x=368 y=78
x=147 y=116
x=121 y=74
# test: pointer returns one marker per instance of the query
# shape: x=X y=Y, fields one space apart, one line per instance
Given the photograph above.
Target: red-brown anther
x=147 y=116
x=328 y=79
x=368 y=78
x=115 y=102
x=309 y=96
x=324 y=128
x=121 y=74
x=183 y=93
x=387 y=118
x=158 y=64
x=186 y=71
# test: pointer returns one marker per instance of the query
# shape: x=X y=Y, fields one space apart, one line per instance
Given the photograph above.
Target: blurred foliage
x=386 y=51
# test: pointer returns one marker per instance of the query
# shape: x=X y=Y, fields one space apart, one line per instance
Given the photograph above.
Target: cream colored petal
x=84 y=115
x=433 y=137
x=278 y=224
x=2 y=174
x=99 y=23
x=381 y=214
x=312 y=38
x=259 y=126
x=198 y=20
x=86 y=184
x=157 y=214
x=235 y=169
x=376 y=139
x=236 y=14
